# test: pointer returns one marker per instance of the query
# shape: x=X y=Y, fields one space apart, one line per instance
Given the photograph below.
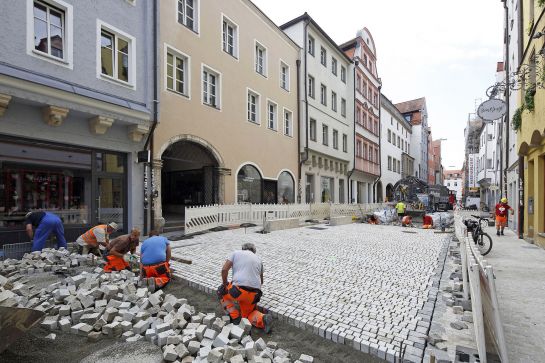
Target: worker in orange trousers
x=118 y=249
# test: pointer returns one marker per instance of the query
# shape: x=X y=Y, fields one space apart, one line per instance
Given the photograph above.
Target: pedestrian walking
x=240 y=297
x=155 y=261
x=118 y=256
x=400 y=208
x=95 y=238
x=44 y=223
x=501 y=215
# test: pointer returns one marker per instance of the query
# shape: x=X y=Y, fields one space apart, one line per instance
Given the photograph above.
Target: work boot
x=267 y=320
x=498 y=232
x=502 y=232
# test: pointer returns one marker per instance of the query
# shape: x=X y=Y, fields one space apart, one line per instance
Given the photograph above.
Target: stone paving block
x=169 y=353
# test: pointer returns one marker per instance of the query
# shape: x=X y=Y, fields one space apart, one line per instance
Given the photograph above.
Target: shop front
x=83 y=186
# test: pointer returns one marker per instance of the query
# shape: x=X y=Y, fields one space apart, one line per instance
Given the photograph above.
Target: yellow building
x=531 y=134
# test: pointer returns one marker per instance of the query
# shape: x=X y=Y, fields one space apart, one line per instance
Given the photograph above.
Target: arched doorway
x=389 y=192
x=249 y=185
x=286 y=188
x=379 y=192
x=189 y=177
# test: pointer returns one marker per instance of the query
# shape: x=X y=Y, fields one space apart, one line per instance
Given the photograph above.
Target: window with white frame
x=311 y=43
x=323 y=94
x=323 y=56
x=345 y=143
x=343 y=107
x=395 y=166
x=333 y=65
x=334 y=101
x=116 y=55
x=230 y=37
x=311 y=86
x=271 y=115
x=177 y=75
x=288 y=123
x=284 y=76
x=325 y=135
x=389 y=163
x=389 y=136
x=187 y=13
x=312 y=130
x=49 y=30
x=253 y=107
x=335 y=139
x=343 y=74
x=210 y=87
x=398 y=166
x=260 y=59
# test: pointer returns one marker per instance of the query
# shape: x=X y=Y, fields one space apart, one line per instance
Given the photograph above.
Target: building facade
x=396 y=161
x=415 y=112
x=436 y=162
x=453 y=180
x=76 y=91
x=530 y=139
x=365 y=185
x=229 y=113
x=472 y=134
x=326 y=113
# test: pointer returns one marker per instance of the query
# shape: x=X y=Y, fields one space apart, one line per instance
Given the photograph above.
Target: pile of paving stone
x=96 y=305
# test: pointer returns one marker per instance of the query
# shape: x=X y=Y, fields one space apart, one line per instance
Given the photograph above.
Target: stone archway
x=390 y=192
x=188 y=171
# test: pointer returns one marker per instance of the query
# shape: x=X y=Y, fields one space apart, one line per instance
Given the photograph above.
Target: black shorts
x=400 y=214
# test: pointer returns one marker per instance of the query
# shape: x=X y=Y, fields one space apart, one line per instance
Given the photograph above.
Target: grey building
x=76 y=106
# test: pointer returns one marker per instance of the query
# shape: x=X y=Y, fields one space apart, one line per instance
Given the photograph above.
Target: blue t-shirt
x=154 y=250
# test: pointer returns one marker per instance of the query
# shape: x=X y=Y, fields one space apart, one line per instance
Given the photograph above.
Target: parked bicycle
x=480 y=238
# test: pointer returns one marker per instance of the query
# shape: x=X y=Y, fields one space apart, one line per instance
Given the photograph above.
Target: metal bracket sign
x=492 y=109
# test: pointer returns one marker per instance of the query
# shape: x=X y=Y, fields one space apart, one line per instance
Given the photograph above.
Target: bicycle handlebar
x=479 y=217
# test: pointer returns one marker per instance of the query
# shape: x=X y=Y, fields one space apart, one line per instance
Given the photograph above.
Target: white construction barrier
x=484 y=301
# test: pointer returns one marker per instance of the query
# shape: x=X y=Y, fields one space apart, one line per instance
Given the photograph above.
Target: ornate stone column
x=156 y=203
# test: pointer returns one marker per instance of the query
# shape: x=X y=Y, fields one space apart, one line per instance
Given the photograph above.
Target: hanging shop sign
x=492 y=109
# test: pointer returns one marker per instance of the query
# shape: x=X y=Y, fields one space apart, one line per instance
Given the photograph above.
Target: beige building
x=228 y=114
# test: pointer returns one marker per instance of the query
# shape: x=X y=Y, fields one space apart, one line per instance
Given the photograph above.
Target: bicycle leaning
x=480 y=238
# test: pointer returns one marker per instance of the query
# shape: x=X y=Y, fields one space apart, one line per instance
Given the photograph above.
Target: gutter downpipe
x=356 y=62
x=507 y=67
x=298 y=64
x=149 y=141
x=375 y=199
x=303 y=160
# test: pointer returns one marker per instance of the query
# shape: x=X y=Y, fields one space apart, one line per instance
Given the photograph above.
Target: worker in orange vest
x=90 y=241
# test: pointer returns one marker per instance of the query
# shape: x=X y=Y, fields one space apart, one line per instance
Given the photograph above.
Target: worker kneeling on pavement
x=118 y=257
x=155 y=261
x=95 y=238
x=407 y=221
x=240 y=297
x=45 y=224
x=427 y=222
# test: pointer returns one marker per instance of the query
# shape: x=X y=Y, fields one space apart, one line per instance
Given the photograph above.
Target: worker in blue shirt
x=44 y=223
x=155 y=261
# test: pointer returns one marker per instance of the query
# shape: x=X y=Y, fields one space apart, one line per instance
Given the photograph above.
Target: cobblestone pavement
x=519 y=268
x=372 y=287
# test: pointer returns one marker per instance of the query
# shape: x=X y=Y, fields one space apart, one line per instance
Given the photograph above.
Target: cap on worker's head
x=248 y=247
x=113 y=226
x=504 y=200
x=28 y=215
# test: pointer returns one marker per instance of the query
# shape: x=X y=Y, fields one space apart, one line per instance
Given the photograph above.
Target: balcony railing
x=366 y=166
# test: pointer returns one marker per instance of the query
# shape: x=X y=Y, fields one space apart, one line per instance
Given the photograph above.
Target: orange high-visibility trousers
x=240 y=303
x=115 y=263
x=160 y=272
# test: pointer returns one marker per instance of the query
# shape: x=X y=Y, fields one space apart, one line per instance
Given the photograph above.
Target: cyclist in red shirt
x=501 y=215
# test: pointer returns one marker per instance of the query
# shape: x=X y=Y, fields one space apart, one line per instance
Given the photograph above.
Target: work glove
x=221 y=291
x=127 y=257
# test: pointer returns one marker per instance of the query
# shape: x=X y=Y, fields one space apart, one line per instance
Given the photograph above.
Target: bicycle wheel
x=484 y=244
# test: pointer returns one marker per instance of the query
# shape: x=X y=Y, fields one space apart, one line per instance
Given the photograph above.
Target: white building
x=454 y=182
x=416 y=112
x=365 y=184
x=487 y=176
x=509 y=136
x=326 y=113
x=395 y=147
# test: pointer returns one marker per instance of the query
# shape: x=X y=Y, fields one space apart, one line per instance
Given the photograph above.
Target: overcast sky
x=445 y=51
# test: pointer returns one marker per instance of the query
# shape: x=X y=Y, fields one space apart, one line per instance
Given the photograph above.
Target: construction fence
x=202 y=218
x=478 y=275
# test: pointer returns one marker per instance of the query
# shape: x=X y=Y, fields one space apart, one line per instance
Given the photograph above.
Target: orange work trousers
x=241 y=303
x=160 y=272
x=115 y=263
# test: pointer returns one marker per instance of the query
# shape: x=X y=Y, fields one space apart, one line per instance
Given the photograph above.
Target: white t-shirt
x=247 y=268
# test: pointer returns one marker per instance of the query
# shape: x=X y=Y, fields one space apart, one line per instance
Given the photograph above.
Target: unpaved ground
x=67 y=348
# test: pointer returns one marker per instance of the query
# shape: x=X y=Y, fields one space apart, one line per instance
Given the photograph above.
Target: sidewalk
x=519 y=268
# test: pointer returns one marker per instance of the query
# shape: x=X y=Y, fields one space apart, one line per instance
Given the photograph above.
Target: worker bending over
x=240 y=297
x=427 y=222
x=407 y=221
x=118 y=249
x=45 y=224
x=93 y=239
x=155 y=261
